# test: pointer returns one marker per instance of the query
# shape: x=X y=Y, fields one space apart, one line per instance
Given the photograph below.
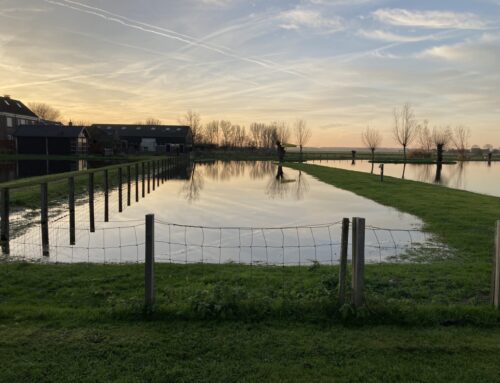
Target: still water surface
x=474 y=176
x=234 y=212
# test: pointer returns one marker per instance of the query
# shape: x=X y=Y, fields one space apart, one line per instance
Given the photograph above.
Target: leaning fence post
x=149 y=277
x=71 y=204
x=496 y=291
x=91 y=203
x=44 y=218
x=4 y=211
x=358 y=259
x=343 y=260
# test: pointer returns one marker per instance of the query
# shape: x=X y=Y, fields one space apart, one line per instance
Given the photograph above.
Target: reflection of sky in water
x=247 y=195
x=475 y=176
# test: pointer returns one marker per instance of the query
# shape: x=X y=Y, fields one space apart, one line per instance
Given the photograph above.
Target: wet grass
x=427 y=321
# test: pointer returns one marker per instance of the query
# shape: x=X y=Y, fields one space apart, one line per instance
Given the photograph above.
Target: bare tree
x=153 y=121
x=460 y=138
x=193 y=120
x=441 y=137
x=302 y=133
x=405 y=126
x=212 y=132
x=372 y=140
x=281 y=132
x=227 y=133
x=45 y=111
x=425 y=138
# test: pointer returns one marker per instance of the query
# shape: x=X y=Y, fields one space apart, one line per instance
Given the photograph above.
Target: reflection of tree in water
x=424 y=173
x=278 y=185
x=302 y=186
x=192 y=187
x=229 y=169
x=457 y=175
x=261 y=169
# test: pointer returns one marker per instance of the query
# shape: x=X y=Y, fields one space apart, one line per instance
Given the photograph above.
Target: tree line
x=225 y=134
x=407 y=130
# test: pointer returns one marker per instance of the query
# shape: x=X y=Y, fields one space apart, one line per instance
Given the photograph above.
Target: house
x=12 y=114
x=51 y=139
x=150 y=138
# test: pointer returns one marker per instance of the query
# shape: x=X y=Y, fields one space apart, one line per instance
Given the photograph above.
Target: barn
x=150 y=138
x=51 y=139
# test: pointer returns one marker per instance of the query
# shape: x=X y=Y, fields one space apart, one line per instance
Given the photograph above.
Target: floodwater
x=12 y=170
x=474 y=176
x=244 y=212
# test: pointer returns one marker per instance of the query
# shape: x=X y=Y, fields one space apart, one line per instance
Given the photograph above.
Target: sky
x=341 y=65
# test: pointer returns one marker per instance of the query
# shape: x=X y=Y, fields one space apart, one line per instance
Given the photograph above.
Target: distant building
x=13 y=113
x=51 y=139
x=149 y=138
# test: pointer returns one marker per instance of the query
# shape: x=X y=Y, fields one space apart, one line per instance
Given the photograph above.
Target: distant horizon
x=339 y=65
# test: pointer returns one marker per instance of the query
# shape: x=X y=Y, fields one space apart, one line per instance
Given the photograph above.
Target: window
x=21 y=122
x=138 y=128
x=124 y=127
x=178 y=129
x=153 y=128
x=6 y=102
x=19 y=105
x=9 y=122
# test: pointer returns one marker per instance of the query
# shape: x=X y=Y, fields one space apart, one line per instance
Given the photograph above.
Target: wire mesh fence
x=123 y=242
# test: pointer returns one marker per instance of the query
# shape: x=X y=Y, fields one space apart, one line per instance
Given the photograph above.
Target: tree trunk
x=404 y=153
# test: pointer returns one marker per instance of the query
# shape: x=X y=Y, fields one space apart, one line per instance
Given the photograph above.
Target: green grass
x=428 y=321
x=63 y=323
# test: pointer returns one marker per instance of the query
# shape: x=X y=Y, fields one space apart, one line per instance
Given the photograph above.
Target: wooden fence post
x=106 y=195
x=4 y=211
x=136 y=182
x=44 y=218
x=496 y=292
x=358 y=259
x=153 y=173
x=149 y=177
x=91 y=203
x=158 y=176
x=120 y=191
x=143 y=177
x=71 y=204
x=149 y=277
x=129 y=191
x=343 y=260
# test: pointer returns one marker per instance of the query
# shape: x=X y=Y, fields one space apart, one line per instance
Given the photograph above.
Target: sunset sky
x=339 y=64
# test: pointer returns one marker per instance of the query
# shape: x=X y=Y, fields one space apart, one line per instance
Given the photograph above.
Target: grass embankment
x=423 y=322
x=270 y=155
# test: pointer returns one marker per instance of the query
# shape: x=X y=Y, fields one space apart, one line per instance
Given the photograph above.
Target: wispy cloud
x=382 y=35
x=429 y=19
x=307 y=18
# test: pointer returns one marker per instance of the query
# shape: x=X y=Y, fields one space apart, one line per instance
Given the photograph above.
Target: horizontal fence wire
x=124 y=242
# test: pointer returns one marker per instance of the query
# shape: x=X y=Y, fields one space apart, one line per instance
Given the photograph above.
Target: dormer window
x=6 y=102
x=19 y=105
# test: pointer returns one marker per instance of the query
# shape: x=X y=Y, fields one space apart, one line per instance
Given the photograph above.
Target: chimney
x=7 y=96
x=70 y=123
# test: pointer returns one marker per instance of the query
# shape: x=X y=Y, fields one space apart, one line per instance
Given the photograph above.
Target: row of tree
x=222 y=133
x=407 y=130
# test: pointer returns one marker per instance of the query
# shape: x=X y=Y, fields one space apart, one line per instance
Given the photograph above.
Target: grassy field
x=426 y=321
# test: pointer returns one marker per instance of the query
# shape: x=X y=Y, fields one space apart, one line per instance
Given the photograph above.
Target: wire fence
x=123 y=242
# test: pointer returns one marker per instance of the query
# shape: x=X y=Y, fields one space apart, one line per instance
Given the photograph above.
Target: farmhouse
x=51 y=139
x=12 y=114
x=150 y=138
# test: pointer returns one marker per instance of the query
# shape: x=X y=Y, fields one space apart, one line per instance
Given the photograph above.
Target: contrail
x=148 y=28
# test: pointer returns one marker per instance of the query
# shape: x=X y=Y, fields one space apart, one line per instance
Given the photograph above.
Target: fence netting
x=123 y=242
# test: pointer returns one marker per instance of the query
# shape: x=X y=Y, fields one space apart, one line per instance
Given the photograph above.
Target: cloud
x=482 y=51
x=307 y=18
x=392 y=37
x=429 y=19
